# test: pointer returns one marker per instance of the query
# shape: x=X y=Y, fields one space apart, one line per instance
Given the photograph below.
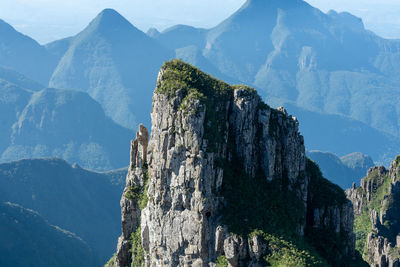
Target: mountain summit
x=110 y=21
x=116 y=64
x=23 y=54
x=223 y=179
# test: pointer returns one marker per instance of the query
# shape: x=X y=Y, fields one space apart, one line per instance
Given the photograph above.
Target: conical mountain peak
x=110 y=19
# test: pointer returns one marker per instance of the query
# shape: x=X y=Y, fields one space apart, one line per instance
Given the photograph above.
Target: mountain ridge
x=122 y=76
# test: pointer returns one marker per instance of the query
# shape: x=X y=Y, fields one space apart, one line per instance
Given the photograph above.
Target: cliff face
x=377 y=215
x=224 y=179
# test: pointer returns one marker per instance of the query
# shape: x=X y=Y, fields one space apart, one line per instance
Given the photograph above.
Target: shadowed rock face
x=218 y=159
x=377 y=215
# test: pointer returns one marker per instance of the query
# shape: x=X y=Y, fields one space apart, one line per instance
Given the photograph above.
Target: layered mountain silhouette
x=83 y=202
x=343 y=135
x=115 y=63
x=323 y=67
x=16 y=78
x=292 y=51
x=63 y=123
x=27 y=239
x=343 y=171
x=23 y=54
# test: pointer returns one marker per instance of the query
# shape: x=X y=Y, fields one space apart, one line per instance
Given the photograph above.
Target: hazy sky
x=47 y=20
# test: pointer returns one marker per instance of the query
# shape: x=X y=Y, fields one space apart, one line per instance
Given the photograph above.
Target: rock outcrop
x=224 y=179
x=377 y=215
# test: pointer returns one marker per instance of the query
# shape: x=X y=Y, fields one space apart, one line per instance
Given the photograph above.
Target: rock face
x=130 y=212
x=377 y=215
x=221 y=164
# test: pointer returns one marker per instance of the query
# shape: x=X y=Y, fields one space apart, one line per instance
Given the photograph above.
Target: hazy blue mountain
x=23 y=54
x=191 y=54
x=116 y=64
x=29 y=240
x=63 y=123
x=342 y=135
x=59 y=47
x=20 y=80
x=294 y=52
x=83 y=202
x=180 y=36
x=153 y=32
x=342 y=171
x=13 y=100
x=357 y=160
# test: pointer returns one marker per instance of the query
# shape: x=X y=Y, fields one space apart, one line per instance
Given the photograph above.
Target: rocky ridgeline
x=223 y=179
x=377 y=215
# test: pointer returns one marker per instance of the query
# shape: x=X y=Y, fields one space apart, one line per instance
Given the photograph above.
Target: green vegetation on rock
x=139 y=193
x=196 y=85
x=324 y=192
x=111 y=261
x=256 y=203
x=362 y=226
x=380 y=201
x=137 y=249
x=285 y=253
x=222 y=261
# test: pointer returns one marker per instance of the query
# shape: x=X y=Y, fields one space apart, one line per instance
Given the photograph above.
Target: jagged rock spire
x=139 y=148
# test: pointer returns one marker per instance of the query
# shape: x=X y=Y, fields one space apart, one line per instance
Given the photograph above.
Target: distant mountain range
x=29 y=240
x=325 y=68
x=115 y=63
x=25 y=55
x=343 y=171
x=62 y=123
x=82 y=202
x=294 y=53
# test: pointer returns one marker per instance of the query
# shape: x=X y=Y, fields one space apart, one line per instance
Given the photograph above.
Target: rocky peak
x=377 y=213
x=226 y=177
x=139 y=148
x=110 y=19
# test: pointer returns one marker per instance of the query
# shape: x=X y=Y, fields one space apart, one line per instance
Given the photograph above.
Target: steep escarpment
x=377 y=215
x=224 y=179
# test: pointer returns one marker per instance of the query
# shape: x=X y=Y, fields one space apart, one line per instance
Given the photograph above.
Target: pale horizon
x=49 y=20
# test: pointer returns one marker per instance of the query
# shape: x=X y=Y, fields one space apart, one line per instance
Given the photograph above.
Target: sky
x=48 y=20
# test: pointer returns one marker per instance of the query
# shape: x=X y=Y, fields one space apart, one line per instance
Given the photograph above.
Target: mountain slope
x=28 y=240
x=25 y=55
x=294 y=53
x=20 y=80
x=63 y=123
x=342 y=171
x=324 y=62
x=80 y=201
x=116 y=64
x=342 y=135
x=13 y=99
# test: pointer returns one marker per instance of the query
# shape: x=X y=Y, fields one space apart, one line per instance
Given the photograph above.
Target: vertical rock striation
x=130 y=201
x=377 y=215
x=226 y=176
